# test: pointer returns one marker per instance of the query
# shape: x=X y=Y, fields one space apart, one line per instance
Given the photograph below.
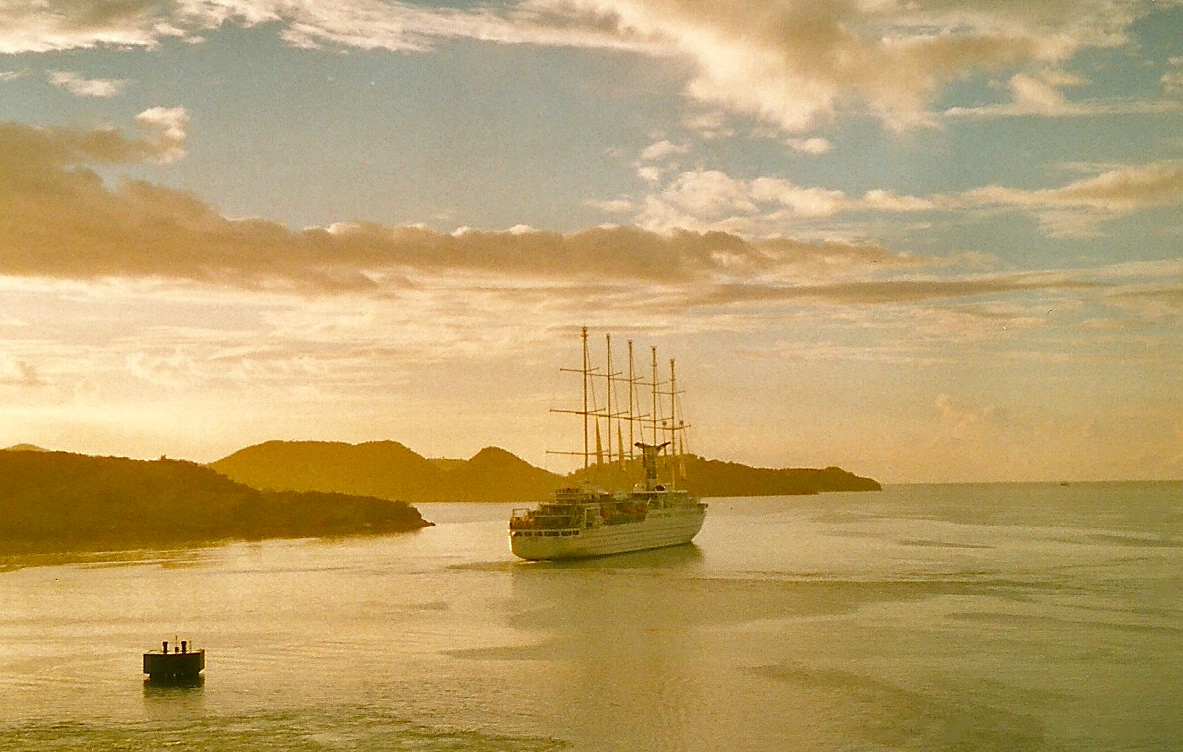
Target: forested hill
x=390 y=470
x=55 y=501
x=715 y=478
x=707 y=478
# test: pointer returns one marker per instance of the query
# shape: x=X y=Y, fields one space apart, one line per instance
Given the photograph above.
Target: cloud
x=707 y=200
x=662 y=149
x=887 y=201
x=63 y=221
x=1033 y=95
x=890 y=291
x=956 y=419
x=365 y=24
x=18 y=373
x=72 y=24
x=33 y=157
x=711 y=200
x=167 y=128
x=799 y=64
x=1172 y=80
x=1039 y=95
x=794 y=65
x=1078 y=206
x=86 y=87
x=613 y=206
x=813 y=146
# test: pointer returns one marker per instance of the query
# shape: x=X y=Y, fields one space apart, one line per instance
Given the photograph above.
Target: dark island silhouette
x=387 y=469
x=58 y=501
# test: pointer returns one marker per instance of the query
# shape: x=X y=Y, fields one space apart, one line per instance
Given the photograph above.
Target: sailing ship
x=588 y=520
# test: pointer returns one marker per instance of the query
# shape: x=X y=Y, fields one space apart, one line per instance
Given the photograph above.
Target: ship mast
x=589 y=410
x=608 y=397
x=673 y=408
x=654 y=418
x=632 y=386
x=586 y=415
x=674 y=453
x=662 y=433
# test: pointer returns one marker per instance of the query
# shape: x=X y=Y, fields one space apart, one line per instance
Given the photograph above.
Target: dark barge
x=179 y=666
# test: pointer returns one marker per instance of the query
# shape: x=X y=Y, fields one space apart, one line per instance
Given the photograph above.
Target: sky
x=925 y=241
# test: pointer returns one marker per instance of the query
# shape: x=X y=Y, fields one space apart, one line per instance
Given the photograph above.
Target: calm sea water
x=976 y=617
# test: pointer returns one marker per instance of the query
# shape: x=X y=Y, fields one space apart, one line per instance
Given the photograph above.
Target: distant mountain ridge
x=57 y=501
x=390 y=470
x=24 y=448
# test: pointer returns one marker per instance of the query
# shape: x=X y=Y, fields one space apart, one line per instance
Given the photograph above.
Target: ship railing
x=538 y=521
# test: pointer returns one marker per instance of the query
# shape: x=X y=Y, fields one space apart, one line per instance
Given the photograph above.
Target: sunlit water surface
x=993 y=617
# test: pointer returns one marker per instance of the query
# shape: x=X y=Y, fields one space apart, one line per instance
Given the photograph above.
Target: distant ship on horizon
x=588 y=521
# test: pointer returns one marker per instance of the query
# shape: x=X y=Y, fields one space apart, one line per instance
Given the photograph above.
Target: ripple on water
x=319 y=729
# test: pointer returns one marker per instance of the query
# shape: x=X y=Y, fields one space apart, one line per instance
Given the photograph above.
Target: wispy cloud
x=1039 y=95
x=1172 y=79
x=70 y=24
x=18 y=373
x=87 y=87
x=1078 y=206
x=793 y=65
x=662 y=149
x=798 y=64
x=905 y=290
x=364 y=24
x=814 y=146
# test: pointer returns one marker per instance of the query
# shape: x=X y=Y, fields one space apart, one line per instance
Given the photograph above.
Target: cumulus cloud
x=712 y=200
x=167 y=128
x=86 y=87
x=35 y=157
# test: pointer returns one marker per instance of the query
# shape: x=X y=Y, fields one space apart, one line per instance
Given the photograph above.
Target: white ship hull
x=668 y=526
